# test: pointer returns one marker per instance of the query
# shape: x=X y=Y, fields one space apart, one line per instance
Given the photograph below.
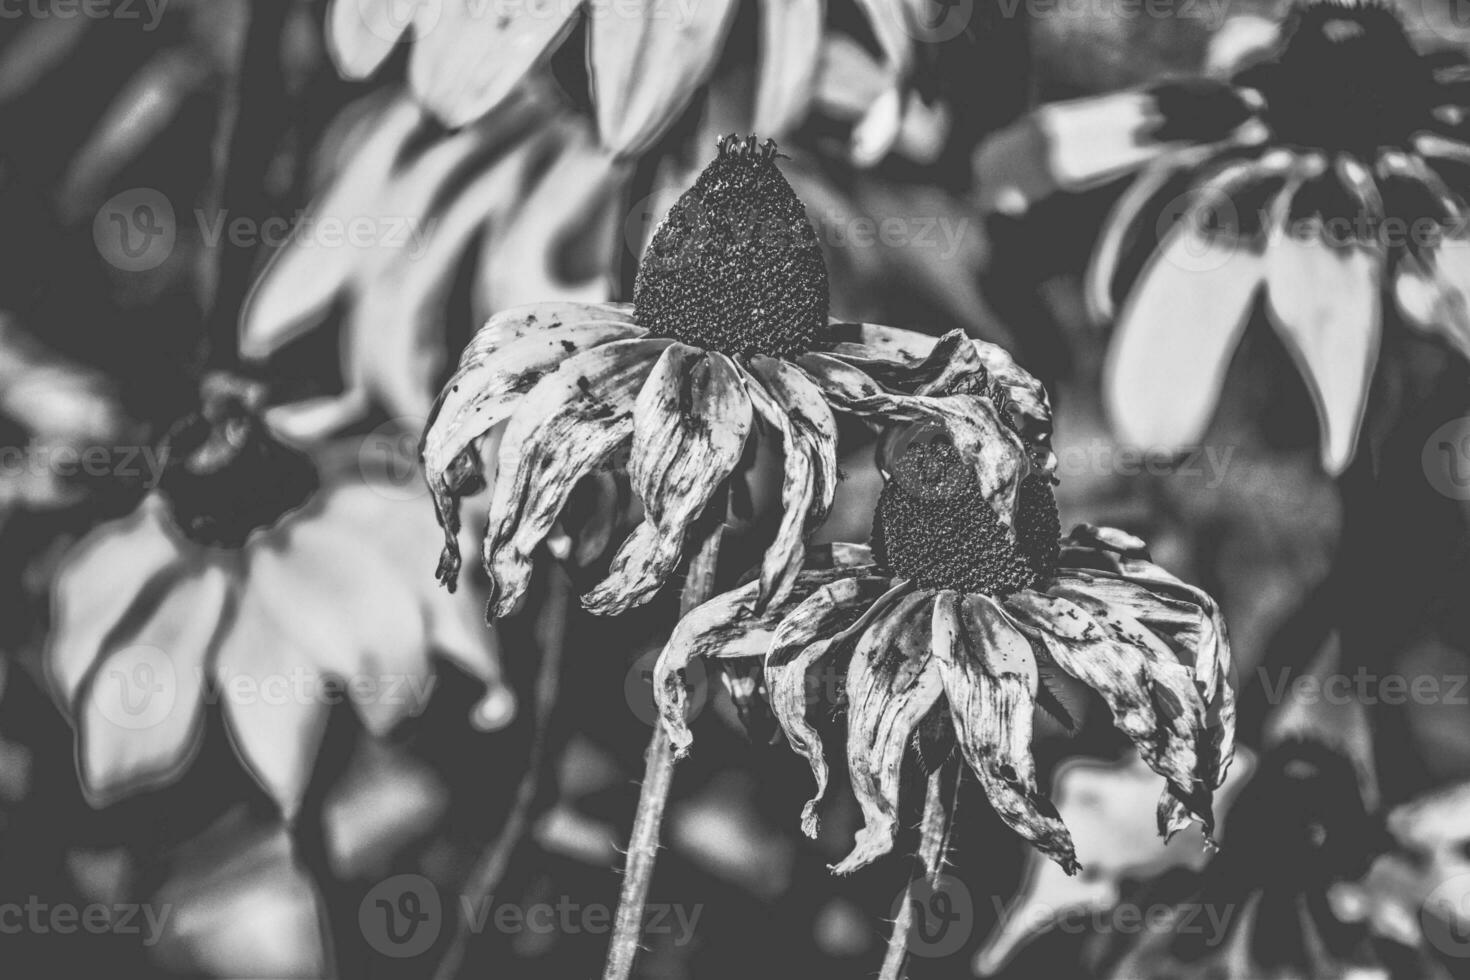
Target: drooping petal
x=892 y=684
x=732 y=624
x=646 y=64
x=1118 y=672
x=470 y=54
x=1431 y=278
x=1182 y=322
x=790 y=56
x=868 y=339
x=689 y=431
x=990 y=678
x=817 y=632
x=509 y=355
x=1171 y=687
x=361 y=33
x=1000 y=458
x=1323 y=297
x=792 y=405
x=563 y=428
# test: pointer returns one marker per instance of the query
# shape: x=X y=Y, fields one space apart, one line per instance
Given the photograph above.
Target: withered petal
x=563 y=428
x=1000 y=458
x=989 y=672
x=815 y=632
x=689 y=429
x=892 y=684
x=792 y=405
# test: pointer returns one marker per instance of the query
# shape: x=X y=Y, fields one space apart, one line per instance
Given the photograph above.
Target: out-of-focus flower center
x=935 y=527
x=225 y=474
x=1347 y=79
x=735 y=267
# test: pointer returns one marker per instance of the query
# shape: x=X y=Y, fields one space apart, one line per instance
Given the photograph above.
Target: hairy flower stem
x=934 y=829
x=658 y=776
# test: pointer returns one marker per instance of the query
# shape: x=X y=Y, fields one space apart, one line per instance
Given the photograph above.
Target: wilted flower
x=1331 y=167
x=950 y=627
x=246 y=576
x=728 y=327
x=646 y=59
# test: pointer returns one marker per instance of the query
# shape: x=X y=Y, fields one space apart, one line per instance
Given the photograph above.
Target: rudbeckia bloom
x=950 y=626
x=646 y=59
x=1328 y=172
x=728 y=329
x=249 y=578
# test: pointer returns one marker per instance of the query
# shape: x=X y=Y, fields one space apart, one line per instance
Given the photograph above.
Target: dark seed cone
x=225 y=475
x=735 y=267
x=952 y=539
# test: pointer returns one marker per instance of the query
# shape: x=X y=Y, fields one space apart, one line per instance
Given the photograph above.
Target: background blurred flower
x=265 y=595
x=1328 y=167
x=646 y=59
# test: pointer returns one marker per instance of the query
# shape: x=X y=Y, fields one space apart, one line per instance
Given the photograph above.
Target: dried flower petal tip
x=225 y=475
x=1349 y=78
x=934 y=527
x=735 y=266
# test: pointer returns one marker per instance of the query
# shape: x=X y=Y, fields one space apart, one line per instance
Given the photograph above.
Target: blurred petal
x=140 y=714
x=1000 y=458
x=361 y=33
x=647 y=63
x=300 y=283
x=1324 y=300
x=273 y=707
x=990 y=678
x=792 y=405
x=816 y=632
x=475 y=52
x=1184 y=319
x=564 y=427
x=1119 y=228
x=689 y=432
x=107 y=576
x=891 y=684
x=790 y=56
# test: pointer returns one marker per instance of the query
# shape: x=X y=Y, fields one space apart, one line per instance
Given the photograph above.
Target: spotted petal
x=508 y=356
x=788 y=401
x=990 y=678
x=998 y=455
x=816 y=632
x=563 y=429
x=891 y=684
x=689 y=431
